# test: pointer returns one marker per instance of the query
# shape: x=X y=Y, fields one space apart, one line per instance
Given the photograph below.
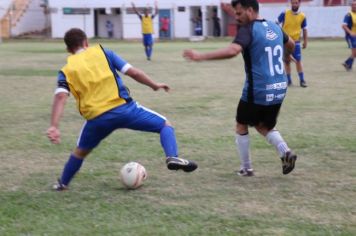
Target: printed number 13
x=276 y=52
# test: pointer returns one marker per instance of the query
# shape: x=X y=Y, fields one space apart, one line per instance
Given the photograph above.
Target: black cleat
x=175 y=163
x=288 y=162
x=347 y=67
x=245 y=172
x=59 y=186
x=303 y=84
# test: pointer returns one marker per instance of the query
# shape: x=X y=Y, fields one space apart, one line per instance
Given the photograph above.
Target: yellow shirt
x=92 y=82
x=353 y=16
x=293 y=24
x=147 y=25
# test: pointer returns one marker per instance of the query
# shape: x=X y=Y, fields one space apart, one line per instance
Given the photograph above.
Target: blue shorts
x=147 y=39
x=297 y=54
x=130 y=116
x=351 y=41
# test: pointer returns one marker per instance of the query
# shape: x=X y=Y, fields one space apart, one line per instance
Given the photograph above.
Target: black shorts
x=254 y=114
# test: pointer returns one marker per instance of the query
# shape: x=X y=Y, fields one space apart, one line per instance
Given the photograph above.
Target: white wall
x=4 y=5
x=322 y=21
x=33 y=20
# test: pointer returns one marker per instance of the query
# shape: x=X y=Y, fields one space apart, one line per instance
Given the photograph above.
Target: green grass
x=318 y=122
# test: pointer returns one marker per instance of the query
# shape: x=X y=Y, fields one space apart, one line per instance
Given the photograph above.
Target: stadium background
x=51 y=18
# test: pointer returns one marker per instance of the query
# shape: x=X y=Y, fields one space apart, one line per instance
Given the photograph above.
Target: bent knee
x=168 y=123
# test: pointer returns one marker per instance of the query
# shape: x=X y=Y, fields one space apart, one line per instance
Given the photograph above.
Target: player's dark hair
x=74 y=39
x=246 y=4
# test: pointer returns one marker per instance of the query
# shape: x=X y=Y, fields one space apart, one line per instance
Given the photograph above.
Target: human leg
x=71 y=167
x=288 y=72
x=92 y=133
x=244 y=116
x=302 y=82
x=242 y=141
x=266 y=128
x=351 y=42
x=148 y=44
x=144 y=119
x=297 y=54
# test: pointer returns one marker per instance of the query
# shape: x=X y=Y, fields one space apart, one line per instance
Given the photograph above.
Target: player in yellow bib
x=294 y=22
x=147 y=28
x=349 y=26
x=91 y=75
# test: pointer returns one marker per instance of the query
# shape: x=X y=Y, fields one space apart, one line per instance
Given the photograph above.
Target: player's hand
x=161 y=86
x=54 y=135
x=190 y=54
x=304 y=45
x=353 y=34
x=288 y=58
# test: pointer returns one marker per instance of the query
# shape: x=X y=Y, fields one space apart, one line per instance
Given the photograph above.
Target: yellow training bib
x=92 y=82
x=293 y=24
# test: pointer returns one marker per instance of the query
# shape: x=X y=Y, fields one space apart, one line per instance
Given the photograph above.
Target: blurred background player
x=293 y=23
x=262 y=44
x=198 y=25
x=216 y=24
x=147 y=28
x=90 y=75
x=164 y=21
x=110 y=28
x=349 y=27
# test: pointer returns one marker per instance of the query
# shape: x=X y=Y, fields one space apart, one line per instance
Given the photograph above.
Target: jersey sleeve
x=348 y=20
x=281 y=18
x=117 y=62
x=62 y=85
x=244 y=36
x=304 y=23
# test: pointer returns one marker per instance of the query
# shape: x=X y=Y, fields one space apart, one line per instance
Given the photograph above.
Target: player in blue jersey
x=349 y=26
x=91 y=76
x=262 y=44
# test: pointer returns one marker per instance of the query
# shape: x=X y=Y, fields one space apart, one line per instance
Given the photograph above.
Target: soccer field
x=318 y=122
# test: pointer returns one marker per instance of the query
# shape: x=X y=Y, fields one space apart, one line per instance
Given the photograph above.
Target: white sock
x=243 y=148
x=275 y=138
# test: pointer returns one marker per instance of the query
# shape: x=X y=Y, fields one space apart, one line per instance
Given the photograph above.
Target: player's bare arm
x=231 y=51
x=305 y=38
x=288 y=50
x=135 y=10
x=59 y=102
x=142 y=78
x=156 y=9
x=348 y=30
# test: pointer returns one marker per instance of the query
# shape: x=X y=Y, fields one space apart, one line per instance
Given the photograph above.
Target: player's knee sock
x=147 y=52
x=70 y=169
x=243 y=148
x=150 y=49
x=289 y=78
x=168 y=141
x=301 y=76
x=275 y=138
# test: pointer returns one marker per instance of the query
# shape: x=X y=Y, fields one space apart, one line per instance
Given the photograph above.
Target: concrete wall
x=32 y=20
x=4 y=5
x=322 y=21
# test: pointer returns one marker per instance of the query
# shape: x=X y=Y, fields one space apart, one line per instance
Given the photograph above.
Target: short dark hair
x=246 y=4
x=74 y=38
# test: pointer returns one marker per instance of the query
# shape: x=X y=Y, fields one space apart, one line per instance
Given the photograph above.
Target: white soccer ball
x=132 y=175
